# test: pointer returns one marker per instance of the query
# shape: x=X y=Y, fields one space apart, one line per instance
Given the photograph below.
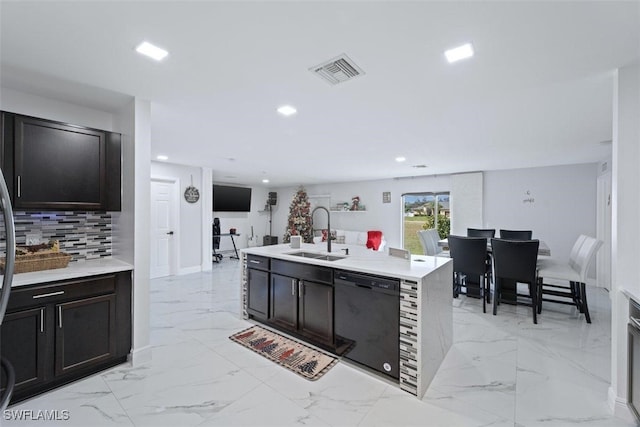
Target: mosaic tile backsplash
x=83 y=235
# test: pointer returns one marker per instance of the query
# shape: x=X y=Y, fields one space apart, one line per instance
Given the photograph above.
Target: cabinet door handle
x=253 y=261
x=293 y=287
x=300 y=288
x=50 y=294
x=19 y=185
x=60 y=316
x=42 y=320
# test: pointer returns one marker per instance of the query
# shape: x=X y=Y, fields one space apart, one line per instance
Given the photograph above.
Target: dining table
x=543 y=249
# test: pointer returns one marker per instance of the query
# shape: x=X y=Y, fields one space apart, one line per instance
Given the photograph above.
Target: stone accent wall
x=83 y=235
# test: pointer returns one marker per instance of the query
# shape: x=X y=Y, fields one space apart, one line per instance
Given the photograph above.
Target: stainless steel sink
x=305 y=254
x=330 y=257
x=315 y=255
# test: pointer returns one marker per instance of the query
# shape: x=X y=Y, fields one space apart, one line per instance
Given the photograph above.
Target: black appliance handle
x=11 y=382
x=7 y=213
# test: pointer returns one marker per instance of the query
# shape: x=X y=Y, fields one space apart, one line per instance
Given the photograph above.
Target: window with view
x=422 y=211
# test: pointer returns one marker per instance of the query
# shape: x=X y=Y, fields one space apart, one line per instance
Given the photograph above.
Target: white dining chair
x=429 y=240
x=544 y=260
x=574 y=272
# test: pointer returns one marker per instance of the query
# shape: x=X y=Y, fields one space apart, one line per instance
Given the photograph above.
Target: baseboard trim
x=190 y=270
x=619 y=406
x=141 y=356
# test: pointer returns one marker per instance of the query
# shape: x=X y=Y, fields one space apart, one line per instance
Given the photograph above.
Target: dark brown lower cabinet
x=304 y=307
x=315 y=311
x=258 y=293
x=55 y=333
x=85 y=333
x=284 y=301
x=24 y=344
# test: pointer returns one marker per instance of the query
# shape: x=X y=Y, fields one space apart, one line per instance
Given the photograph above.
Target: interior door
x=163 y=235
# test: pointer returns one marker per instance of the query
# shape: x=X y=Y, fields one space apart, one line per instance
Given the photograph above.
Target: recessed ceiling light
x=151 y=51
x=287 y=110
x=266 y=181
x=400 y=159
x=162 y=157
x=460 y=52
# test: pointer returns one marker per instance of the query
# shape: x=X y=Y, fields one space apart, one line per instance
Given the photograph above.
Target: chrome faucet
x=328 y=225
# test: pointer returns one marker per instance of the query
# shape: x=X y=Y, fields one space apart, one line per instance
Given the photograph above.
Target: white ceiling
x=538 y=91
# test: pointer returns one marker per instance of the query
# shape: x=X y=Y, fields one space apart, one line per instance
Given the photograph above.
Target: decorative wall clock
x=191 y=194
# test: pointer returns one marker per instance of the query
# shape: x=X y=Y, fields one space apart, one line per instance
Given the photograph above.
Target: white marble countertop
x=631 y=295
x=73 y=271
x=359 y=259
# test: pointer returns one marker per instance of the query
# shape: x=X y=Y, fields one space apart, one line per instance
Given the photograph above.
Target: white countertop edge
x=73 y=271
x=360 y=260
x=631 y=295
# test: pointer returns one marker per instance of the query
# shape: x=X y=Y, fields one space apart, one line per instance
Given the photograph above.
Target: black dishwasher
x=367 y=320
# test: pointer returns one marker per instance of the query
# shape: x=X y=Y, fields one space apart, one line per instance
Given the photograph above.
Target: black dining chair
x=514 y=261
x=481 y=232
x=489 y=233
x=516 y=234
x=469 y=267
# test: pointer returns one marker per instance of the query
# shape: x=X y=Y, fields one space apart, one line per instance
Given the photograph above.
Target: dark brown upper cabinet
x=58 y=166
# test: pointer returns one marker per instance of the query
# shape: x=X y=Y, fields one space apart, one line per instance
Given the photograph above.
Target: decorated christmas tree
x=299 y=222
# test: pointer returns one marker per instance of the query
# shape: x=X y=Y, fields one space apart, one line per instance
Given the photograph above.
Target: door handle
x=50 y=294
x=170 y=233
x=42 y=320
x=293 y=287
x=300 y=288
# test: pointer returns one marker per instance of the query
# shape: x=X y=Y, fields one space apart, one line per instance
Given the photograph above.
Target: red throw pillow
x=374 y=238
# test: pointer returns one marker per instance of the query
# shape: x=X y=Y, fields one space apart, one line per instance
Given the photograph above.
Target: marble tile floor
x=501 y=371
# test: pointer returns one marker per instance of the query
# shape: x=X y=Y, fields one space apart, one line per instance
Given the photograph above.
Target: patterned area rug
x=295 y=356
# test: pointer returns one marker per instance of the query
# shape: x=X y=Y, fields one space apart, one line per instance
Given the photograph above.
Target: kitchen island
x=306 y=274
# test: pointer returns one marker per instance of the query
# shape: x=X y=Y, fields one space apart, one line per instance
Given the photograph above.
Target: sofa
x=369 y=239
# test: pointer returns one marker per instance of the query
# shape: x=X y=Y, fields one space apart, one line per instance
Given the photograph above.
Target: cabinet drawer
x=54 y=292
x=258 y=262
x=303 y=271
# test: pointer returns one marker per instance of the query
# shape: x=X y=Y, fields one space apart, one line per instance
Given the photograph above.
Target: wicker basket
x=38 y=262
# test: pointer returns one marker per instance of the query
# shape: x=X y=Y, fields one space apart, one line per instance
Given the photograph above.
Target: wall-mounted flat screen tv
x=231 y=199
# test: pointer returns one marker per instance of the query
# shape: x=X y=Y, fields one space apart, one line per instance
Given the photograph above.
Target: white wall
x=625 y=235
x=559 y=193
x=558 y=203
x=141 y=232
x=191 y=236
x=466 y=202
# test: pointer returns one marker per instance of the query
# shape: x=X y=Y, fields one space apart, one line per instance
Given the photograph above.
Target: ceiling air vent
x=337 y=70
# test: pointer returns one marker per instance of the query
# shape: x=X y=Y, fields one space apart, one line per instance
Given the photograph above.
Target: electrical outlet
x=33 y=239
